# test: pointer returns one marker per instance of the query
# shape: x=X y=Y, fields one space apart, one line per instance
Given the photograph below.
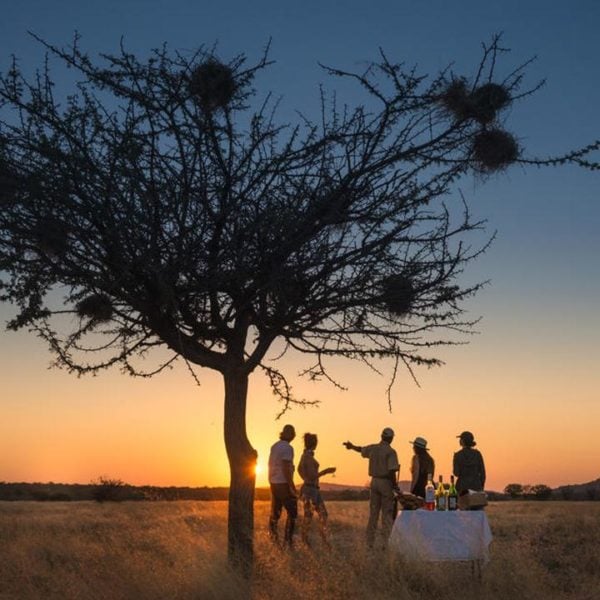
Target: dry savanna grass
x=176 y=550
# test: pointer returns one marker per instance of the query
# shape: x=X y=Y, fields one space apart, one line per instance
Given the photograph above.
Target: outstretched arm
x=351 y=446
x=327 y=471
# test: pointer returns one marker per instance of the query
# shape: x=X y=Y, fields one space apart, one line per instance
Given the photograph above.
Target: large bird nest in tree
x=213 y=84
x=96 y=307
x=494 y=150
x=51 y=237
x=481 y=104
x=455 y=99
x=486 y=100
x=398 y=294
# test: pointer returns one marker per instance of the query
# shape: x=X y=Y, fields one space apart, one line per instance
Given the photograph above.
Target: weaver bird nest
x=398 y=294
x=482 y=104
x=494 y=149
x=487 y=100
x=96 y=307
x=456 y=99
x=213 y=84
x=51 y=235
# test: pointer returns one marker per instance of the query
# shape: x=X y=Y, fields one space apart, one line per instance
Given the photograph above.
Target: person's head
x=310 y=441
x=466 y=439
x=288 y=433
x=387 y=435
x=419 y=445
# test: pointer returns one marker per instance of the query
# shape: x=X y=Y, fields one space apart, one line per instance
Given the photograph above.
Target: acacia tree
x=163 y=207
x=514 y=490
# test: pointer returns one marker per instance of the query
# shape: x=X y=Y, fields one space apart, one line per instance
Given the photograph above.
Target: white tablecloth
x=441 y=535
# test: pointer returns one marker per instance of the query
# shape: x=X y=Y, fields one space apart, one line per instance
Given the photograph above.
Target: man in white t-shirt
x=281 y=480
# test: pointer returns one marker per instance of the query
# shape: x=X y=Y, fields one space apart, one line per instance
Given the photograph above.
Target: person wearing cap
x=283 y=490
x=468 y=466
x=421 y=466
x=383 y=470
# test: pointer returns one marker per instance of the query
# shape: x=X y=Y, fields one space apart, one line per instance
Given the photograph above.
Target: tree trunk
x=242 y=464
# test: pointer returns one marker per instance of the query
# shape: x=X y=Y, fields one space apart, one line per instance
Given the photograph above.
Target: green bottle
x=440 y=496
x=452 y=495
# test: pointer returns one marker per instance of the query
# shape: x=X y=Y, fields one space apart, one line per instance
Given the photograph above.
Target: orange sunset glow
x=168 y=431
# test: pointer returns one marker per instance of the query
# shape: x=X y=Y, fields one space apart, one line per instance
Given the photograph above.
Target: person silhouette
x=310 y=494
x=383 y=469
x=421 y=466
x=281 y=481
x=468 y=465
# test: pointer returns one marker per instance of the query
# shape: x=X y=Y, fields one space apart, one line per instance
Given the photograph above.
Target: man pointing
x=383 y=470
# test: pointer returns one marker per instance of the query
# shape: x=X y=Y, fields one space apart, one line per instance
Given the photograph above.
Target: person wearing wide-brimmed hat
x=383 y=470
x=468 y=465
x=421 y=466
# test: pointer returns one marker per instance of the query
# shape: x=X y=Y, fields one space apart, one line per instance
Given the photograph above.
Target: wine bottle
x=440 y=496
x=452 y=495
x=430 y=493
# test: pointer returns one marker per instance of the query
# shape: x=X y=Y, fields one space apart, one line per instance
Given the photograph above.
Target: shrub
x=108 y=490
x=541 y=491
x=514 y=490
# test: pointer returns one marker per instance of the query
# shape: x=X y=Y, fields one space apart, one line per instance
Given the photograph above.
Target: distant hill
x=579 y=491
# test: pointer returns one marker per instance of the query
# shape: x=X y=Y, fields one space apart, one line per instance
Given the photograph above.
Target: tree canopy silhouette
x=163 y=206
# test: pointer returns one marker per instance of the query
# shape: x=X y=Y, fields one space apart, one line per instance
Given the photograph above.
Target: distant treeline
x=115 y=490
x=105 y=489
x=540 y=491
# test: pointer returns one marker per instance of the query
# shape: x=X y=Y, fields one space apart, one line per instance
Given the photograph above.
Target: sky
x=526 y=385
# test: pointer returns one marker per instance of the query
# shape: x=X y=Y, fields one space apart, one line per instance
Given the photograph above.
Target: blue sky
x=540 y=318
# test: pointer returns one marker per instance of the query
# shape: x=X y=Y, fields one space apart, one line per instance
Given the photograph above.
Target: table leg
x=476 y=569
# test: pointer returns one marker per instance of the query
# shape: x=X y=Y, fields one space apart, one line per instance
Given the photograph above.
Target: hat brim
x=418 y=446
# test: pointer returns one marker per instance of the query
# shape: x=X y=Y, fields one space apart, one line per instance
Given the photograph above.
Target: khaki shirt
x=382 y=459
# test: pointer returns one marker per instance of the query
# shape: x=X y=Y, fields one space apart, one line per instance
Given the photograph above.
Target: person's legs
x=276 y=505
x=387 y=509
x=374 y=508
x=290 y=504
x=323 y=516
x=307 y=518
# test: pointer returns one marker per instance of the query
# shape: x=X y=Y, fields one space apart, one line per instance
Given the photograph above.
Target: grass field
x=176 y=550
